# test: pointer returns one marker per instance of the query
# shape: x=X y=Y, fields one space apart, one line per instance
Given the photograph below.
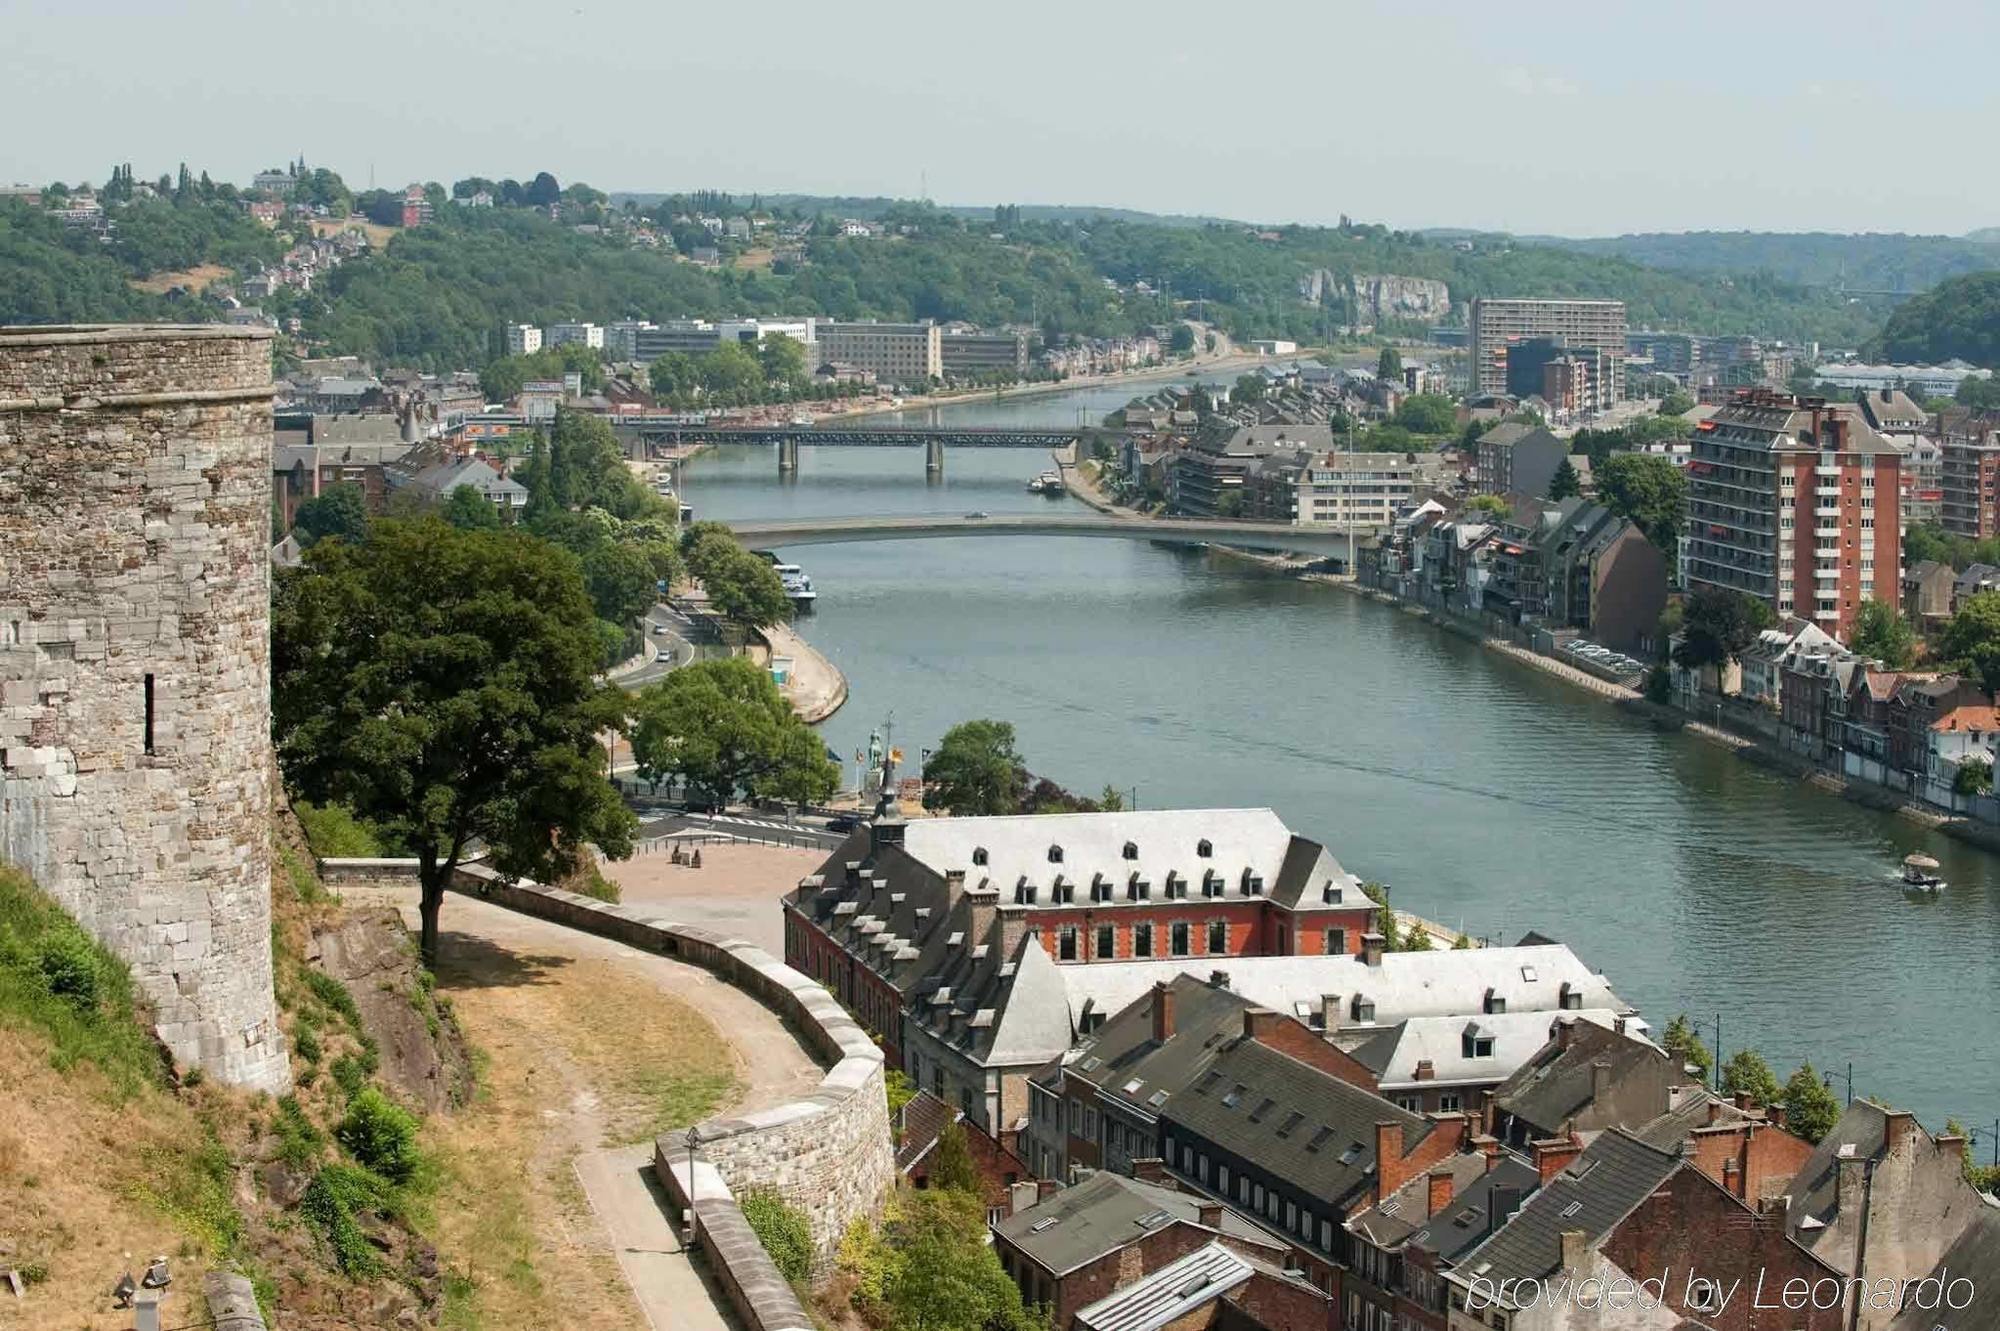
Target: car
x=659 y=629
x=976 y=514
x=842 y=822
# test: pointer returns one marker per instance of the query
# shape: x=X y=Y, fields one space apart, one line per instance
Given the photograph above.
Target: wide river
x=1489 y=796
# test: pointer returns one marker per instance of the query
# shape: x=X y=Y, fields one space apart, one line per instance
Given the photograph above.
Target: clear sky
x=1578 y=119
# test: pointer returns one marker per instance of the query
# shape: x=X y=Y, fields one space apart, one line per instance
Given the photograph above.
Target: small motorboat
x=1920 y=874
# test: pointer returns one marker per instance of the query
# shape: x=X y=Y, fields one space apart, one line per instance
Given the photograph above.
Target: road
x=678 y=637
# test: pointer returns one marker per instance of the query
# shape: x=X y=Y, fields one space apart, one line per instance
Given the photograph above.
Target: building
x=1927 y=594
x=641 y=341
x=1211 y=476
x=1517 y=458
x=574 y=334
x=922 y=1122
x=310 y=455
x=436 y=484
x=523 y=339
x=416 y=206
x=1969 y=473
x=1925 y=381
x=621 y=338
x=1211 y=1289
x=906 y=354
x=1585 y=326
x=1782 y=506
x=135 y=683
x=1346 y=489
x=970 y=354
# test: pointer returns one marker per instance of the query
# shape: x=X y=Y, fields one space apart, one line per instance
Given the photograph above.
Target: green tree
x=1565 y=483
x=1389 y=365
x=1229 y=504
x=1676 y=403
x=1686 y=1047
x=975 y=771
x=1248 y=388
x=731 y=375
x=468 y=510
x=1427 y=413
x=741 y=587
x=1746 y=1072
x=1883 y=635
x=951 y=1162
x=1811 y=1109
x=1491 y=507
x=782 y=361
x=1974 y=777
x=1181 y=341
x=1718 y=624
x=621 y=581
x=339 y=511
x=1651 y=491
x=1971 y=640
x=439 y=683
x=945 y=1275
x=723 y=727
x=674 y=378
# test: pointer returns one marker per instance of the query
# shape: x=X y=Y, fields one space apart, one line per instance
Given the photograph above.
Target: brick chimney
x=1901 y=1123
x=954 y=879
x=1425 y=1071
x=1150 y=1169
x=1390 y=1173
x=984 y=906
x=1329 y=1011
x=1777 y=1115
x=1554 y=1155
x=1046 y=1188
x=1259 y=1023
x=1209 y=1214
x=1486 y=1110
x=1488 y=1146
x=1575 y=1250
x=1565 y=1032
x=1163 y=1012
x=1371 y=949
x=1438 y=1195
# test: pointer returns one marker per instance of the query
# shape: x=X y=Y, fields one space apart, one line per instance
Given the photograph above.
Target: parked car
x=842 y=822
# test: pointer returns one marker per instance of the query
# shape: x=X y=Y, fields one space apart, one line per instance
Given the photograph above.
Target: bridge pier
x=934 y=456
x=788 y=456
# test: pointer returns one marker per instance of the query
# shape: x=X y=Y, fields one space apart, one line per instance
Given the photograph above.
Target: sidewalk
x=816 y=688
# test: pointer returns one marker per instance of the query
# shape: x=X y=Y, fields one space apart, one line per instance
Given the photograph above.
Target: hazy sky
x=1572 y=118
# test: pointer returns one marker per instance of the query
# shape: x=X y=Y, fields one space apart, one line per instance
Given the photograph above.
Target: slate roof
x=1393 y=1054
x=1862 y=1133
x=1289 y=1119
x=921 y=1120
x=1168 y=1294
x=1127 y=1064
x=1555 y=1085
x=1598 y=1189
x=1974 y=1256
x=1405 y=1211
x=1105 y=1212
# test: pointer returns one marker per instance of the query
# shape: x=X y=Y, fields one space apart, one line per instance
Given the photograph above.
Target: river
x=1489 y=796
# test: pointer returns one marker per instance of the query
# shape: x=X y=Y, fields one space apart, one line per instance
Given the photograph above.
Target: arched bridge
x=1328 y=540
x=846 y=436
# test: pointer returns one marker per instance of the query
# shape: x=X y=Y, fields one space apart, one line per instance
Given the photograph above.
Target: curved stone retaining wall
x=828 y=1154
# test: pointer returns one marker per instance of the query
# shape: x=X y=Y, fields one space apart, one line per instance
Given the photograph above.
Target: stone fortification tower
x=135 y=731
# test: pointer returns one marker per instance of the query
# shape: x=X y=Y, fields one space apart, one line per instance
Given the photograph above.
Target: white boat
x=1920 y=874
x=1035 y=484
x=1049 y=483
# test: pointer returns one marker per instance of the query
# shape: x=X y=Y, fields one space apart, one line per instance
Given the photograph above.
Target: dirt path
x=592 y=1048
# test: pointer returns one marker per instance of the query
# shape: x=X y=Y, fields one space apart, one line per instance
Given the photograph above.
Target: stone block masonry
x=135 y=727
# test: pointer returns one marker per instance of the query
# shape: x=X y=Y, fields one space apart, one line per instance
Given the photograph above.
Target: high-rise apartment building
x=894 y=353
x=523 y=339
x=1796 y=502
x=1584 y=326
x=577 y=334
x=1970 y=473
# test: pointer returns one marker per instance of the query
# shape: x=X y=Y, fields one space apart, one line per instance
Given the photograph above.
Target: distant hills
x=869 y=207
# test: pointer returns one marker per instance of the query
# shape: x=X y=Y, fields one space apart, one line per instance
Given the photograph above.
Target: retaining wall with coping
x=827 y=1153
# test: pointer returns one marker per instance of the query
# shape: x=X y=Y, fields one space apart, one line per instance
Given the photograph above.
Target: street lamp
x=694 y=1214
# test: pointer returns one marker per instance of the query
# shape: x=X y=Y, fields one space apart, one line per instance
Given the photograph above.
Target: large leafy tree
x=466 y=508
x=1650 y=490
x=1883 y=635
x=439 y=683
x=975 y=771
x=1427 y=413
x=1811 y=1109
x=723 y=727
x=944 y=1275
x=338 y=511
x=1717 y=625
x=1971 y=641
x=1746 y=1072
x=1681 y=1041
x=741 y=588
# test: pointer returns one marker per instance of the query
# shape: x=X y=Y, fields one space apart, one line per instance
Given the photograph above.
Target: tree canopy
x=466 y=508
x=1811 y=1109
x=1881 y=633
x=723 y=727
x=1746 y=1073
x=1717 y=625
x=1957 y=319
x=440 y=684
x=975 y=771
x=338 y=511
x=1681 y=1041
x=1427 y=413
x=1651 y=491
x=1565 y=483
x=741 y=587
x=1970 y=641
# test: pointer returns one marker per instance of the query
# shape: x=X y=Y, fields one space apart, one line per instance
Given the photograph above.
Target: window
x=1066 y=943
x=1478 y=1045
x=979 y=855
x=1137 y=888
x=1336 y=942
x=1131 y=851
x=1495 y=1002
x=149 y=715
x=1177 y=938
x=1100 y=888
x=1448 y=1102
x=1253 y=884
x=1055 y=855
x=1107 y=944
x=1204 y=848
x=1142 y=939
x=1211 y=884
x=1406 y=1101
x=937 y=1082
x=1218 y=936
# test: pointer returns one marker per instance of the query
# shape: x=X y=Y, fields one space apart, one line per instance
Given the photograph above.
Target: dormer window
x=1253 y=884
x=1024 y=892
x=1204 y=848
x=1211 y=884
x=1131 y=850
x=1063 y=890
x=1100 y=887
x=1571 y=998
x=1137 y=888
x=1055 y=855
x=1331 y=894
x=979 y=855
x=1363 y=1008
x=1478 y=1043
x=1176 y=886
x=1495 y=1002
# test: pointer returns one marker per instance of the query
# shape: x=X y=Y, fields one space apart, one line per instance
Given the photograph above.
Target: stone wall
x=135 y=497
x=829 y=1153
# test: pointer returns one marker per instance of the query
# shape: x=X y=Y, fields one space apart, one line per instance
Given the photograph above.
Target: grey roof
x=1973 y=1256
x=919 y=1123
x=1407 y=1210
x=445 y=477
x=1394 y=1054
x=1106 y=1212
x=1127 y=1064
x=1862 y=1133
x=1598 y=1189
x=1295 y=1122
x=1555 y=1084
x=1477 y=1209
x=1668 y=1131
x=1169 y=1293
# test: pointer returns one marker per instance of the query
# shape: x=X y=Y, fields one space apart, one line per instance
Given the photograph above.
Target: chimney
x=1901 y=1123
x=1600 y=1081
x=1208 y=1214
x=1046 y=1188
x=1150 y=1169
x=1163 y=1012
x=1742 y=1100
x=1329 y=1011
x=1777 y=1115
x=1554 y=1155
x=1565 y=1033
x=1259 y=1022
x=1489 y=1146
x=1439 y=1194
x=954 y=879
x=1486 y=1110
x=1218 y=979
x=1848 y=1186
x=1505 y=1201
x=1371 y=949
x=1389 y=1172
x=1714 y=1111
x=983 y=905
x=1425 y=1071
x=1575 y=1250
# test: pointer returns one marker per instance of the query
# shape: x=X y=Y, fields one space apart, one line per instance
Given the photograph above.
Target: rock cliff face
x=1378 y=296
x=423 y=1055
x=135 y=498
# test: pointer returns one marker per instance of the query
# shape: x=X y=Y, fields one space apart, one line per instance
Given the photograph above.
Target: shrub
x=782 y=1229
x=334 y=994
x=69 y=966
x=56 y=981
x=329 y=1204
x=381 y=1134
x=305 y=1043
x=299 y=1141
x=352 y=1071
x=1659 y=685
x=334 y=832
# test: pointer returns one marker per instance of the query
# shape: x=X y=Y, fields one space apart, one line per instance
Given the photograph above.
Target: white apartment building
x=1584 y=325
x=574 y=334
x=523 y=339
x=894 y=353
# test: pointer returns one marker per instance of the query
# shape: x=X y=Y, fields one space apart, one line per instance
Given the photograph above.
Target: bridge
x=1326 y=540
x=933 y=439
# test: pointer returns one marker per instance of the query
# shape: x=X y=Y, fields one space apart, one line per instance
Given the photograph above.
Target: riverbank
x=814 y=685
x=1235 y=360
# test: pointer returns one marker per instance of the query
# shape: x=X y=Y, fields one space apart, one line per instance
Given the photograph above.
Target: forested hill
x=1959 y=318
x=439 y=294
x=1875 y=262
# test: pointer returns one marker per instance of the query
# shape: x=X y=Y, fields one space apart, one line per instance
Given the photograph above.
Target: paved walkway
x=671 y=1290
